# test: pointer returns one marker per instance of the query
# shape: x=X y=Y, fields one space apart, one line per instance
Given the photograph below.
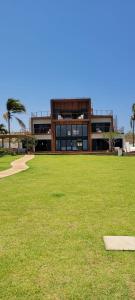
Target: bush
x=4 y=151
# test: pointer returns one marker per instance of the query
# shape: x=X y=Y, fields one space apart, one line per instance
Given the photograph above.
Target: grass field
x=5 y=161
x=53 y=218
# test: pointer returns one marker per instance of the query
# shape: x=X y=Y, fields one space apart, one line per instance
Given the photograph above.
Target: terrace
x=71 y=114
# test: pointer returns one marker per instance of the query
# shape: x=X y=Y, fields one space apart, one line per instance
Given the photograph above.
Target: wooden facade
x=72 y=108
x=72 y=113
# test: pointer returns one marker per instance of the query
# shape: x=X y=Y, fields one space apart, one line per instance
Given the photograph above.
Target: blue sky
x=68 y=48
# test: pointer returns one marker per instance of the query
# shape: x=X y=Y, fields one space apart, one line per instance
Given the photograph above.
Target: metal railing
x=71 y=115
x=103 y=112
x=40 y=131
x=41 y=114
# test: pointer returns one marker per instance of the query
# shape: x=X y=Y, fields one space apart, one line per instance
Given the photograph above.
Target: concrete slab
x=119 y=243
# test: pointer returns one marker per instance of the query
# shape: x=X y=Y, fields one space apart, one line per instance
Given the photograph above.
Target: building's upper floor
x=72 y=111
x=67 y=109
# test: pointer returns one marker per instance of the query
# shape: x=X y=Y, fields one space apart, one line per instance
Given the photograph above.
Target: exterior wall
x=13 y=144
x=75 y=107
x=42 y=136
x=39 y=120
x=101 y=119
x=97 y=135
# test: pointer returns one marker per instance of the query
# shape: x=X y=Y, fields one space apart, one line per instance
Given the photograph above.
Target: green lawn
x=53 y=218
x=5 y=161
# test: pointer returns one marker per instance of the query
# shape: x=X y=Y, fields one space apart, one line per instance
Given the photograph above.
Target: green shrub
x=4 y=151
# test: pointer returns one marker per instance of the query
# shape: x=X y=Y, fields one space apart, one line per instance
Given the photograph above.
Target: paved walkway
x=119 y=243
x=17 y=166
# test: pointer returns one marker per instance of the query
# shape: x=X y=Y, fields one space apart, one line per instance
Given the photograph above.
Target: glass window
x=85 y=131
x=85 y=145
x=58 y=145
x=63 y=130
x=63 y=145
x=69 y=145
x=101 y=127
x=74 y=130
x=79 y=145
x=74 y=147
x=42 y=128
x=79 y=130
x=69 y=132
x=58 y=130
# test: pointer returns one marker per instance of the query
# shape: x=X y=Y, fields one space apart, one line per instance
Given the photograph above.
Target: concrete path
x=119 y=243
x=17 y=166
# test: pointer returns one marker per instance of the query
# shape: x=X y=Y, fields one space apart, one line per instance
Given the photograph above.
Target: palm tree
x=13 y=106
x=132 y=122
x=3 y=129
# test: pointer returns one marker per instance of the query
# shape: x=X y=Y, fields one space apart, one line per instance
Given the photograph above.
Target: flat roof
x=72 y=99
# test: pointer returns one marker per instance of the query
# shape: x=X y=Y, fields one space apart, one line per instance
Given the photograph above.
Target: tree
x=3 y=129
x=132 y=122
x=111 y=137
x=29 y=143
x=14 y=106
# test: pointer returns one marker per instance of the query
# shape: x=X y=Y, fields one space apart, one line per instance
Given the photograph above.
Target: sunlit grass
x=53 y=218
x=5 y=161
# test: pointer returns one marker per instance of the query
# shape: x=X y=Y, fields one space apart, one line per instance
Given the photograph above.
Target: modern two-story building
x=72 y=126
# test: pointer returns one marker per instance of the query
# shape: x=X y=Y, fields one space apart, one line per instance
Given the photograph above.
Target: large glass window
x=74 y=133
x=71 y=137
x=79 y=129
x=63 y=145
x=69 y=130
x=63 y=130
x=69 y=145
x=58 y=148
x=85 y=130
x=101 y=127
x=85 y=145
x=74 y=147
x=100 y=144
x=58 y=130
x=42 y=128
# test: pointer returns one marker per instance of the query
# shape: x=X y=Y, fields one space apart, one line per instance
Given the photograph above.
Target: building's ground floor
x=75 y=144
x=74 y=136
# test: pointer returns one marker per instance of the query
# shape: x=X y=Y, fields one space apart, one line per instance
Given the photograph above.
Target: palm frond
x=3 y=129
x=133 y=108
x=5 y=116
x=21 y=123
x=15 y=106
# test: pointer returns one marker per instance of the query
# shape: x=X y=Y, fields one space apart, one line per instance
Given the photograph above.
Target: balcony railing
x=41 y=131
x=102 y=112
x=71 y=115
x=41 y=114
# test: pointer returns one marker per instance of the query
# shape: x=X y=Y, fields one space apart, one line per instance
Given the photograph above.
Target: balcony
x=39 y=114
x=69 y=115
x=42 y=129
x=101 y=127
x=102 y=112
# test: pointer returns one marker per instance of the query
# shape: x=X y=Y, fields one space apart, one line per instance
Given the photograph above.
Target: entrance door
x=43 y=145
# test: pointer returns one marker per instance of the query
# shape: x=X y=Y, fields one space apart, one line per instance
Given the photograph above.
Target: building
x=72 y=126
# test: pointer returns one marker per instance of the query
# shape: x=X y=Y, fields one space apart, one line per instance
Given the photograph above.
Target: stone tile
x=119 y=243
